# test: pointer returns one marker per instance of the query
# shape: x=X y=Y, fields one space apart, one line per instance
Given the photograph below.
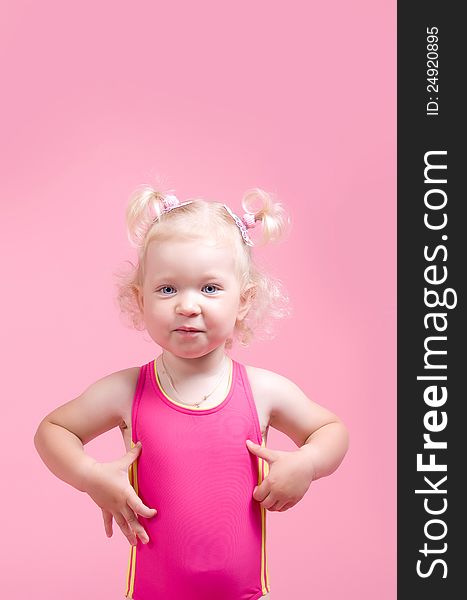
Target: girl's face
x=191 y=284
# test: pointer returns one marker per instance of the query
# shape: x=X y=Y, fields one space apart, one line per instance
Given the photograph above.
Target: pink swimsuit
x=208 y=538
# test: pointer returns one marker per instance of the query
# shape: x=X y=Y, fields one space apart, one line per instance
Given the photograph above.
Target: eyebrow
x=208 y=275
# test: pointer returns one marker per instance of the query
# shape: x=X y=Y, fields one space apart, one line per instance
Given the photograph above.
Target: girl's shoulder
x=288 y=408
x=128 y=379
x=256 y=373
x=263 y=379
x=103 y=405
x=263 y=383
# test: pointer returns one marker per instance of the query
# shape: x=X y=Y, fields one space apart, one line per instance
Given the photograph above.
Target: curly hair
x=147 y=221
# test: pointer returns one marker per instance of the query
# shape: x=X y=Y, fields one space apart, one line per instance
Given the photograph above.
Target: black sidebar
x=432 y=259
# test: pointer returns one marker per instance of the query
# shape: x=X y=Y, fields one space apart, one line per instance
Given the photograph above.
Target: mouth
x=188 y=330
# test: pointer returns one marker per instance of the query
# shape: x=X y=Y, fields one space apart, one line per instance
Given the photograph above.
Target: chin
x=185 y=352
x=192 y=353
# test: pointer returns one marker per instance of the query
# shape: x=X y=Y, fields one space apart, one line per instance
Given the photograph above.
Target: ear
x=246 y=300
x=139 y=297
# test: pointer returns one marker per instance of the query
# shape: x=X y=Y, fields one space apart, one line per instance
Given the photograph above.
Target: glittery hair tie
x=170 y=202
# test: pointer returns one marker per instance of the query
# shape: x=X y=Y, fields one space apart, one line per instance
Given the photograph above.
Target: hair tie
x=170 y=202
x=249 y=220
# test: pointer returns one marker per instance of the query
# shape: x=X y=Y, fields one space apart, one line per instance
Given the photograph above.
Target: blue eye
x=211 y=285
x=208 y=285
x=165 y=287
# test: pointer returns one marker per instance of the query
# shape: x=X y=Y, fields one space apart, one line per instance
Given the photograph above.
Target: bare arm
x=63 y=453
x=60 y=440
x=320 y=435
x=326 y=448
x=62 y=434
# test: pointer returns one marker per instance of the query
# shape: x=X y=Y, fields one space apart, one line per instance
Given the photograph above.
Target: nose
x=187 y=304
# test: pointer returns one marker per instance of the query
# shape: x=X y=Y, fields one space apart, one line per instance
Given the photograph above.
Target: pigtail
x=270 y=301
x=274 y=219
x=145 y=205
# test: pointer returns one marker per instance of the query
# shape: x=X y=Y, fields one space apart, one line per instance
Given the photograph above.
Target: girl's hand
x=290 y=476
x=109 y=487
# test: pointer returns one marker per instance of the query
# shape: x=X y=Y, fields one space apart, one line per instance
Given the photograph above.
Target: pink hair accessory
x=246 y=222
x=249 y=220
x=170 y=202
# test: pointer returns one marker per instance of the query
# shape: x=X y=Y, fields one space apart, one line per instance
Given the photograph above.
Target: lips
x=187 y=329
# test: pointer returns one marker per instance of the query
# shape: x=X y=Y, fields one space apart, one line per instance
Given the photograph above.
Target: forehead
x=196 y=257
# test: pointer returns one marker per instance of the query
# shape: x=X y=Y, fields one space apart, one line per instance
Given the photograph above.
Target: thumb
x=133 y=453
x=262 y=452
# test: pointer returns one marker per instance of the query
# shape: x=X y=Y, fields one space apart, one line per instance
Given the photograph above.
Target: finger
x=269 y=501
x=126 y=530
x=286 y=507
x=261 y=451
x=275 y=507
x=137 y=505
x=261 y=491
x=135 y=525
x=108 y=518
x=131 y=455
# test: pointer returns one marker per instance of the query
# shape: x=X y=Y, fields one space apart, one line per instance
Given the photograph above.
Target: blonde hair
x=147 y=221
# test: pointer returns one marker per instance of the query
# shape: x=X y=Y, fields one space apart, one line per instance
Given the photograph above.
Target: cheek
x=155 y=312
x=226 y=308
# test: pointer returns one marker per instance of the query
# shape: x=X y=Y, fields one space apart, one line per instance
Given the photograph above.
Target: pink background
x=297 y=98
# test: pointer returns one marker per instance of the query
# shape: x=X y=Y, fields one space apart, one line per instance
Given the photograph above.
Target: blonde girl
x=192 y=490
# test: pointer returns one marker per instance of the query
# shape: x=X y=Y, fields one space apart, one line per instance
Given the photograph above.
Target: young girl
x=192 y=491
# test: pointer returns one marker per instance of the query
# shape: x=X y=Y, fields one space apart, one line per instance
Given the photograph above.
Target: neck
x=202 y=367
